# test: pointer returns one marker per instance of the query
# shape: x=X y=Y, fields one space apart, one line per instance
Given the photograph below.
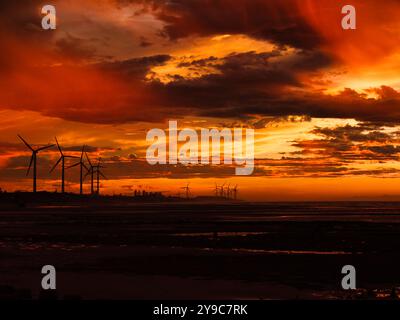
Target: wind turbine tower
x=222 y=190
x=216 y=190
x=91 y=172
x=81 y=165
x=235 y=191
x=98 y=174
x=187 y=190
x=62 y=160
x=34 y=159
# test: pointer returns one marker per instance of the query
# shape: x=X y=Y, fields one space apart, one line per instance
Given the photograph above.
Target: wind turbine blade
x=84 y=165
x=102 y=175
x=30 y=164
x=74 y=165
x=56 y=164
x=45 y=147
x=87 y=157
x=87 y=173
x=26 y=143
x=83 y=150
x=58 y=146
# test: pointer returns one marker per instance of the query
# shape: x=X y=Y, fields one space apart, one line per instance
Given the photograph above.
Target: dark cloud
x=243 y=86
x=360 y=133
x=277 y=21
x=9 y=147
x=134 y=69
x=254 y=84
x=346 y=144
x=264 y=122
x=198 y=63
x=244 y=83
x=88 y=149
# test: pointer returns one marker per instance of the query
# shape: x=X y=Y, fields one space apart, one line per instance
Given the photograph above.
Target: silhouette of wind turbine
x=235 y=191
x=81 y=165
x=94 y=169
x=99 y=173
x=34 y=159
x=187 y=190
x=222 y=190
x=62 y=160
x=91 y=172
x=216 y=190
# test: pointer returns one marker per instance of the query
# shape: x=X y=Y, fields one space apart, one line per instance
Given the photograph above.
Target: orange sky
x=324 y=102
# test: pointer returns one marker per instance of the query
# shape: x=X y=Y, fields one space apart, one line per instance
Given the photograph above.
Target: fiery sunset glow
x=324 y=102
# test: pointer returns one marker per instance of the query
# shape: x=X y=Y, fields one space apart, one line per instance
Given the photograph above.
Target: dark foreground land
x=201 y=250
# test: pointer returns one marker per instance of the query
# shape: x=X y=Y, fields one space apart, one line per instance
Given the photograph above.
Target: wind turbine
x=62 y=160
x=187 y=190
x=91 y=172
x=81 y=165
x=222 y=190
x=34 y=159
x=99 y=173
x=216 y=190
x=235 y=191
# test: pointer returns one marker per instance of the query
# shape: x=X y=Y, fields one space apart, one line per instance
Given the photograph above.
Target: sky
x=324 y=102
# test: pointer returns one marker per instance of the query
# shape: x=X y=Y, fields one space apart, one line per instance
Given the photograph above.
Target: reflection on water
x=302 y=252
x=30 y=246
x=58 y=206
x=219 y=234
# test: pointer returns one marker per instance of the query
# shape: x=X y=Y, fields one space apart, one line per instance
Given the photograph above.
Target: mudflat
x=202 y=250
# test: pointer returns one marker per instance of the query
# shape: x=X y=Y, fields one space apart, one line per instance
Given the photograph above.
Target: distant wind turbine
x=91 y=172
x=187 y=190
x=99 y=173
x=222 y=190
x=235 y=192
x=62 y=160
x=216 y=190
x=34 y=159
x=81 y=165
x=94 y=169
